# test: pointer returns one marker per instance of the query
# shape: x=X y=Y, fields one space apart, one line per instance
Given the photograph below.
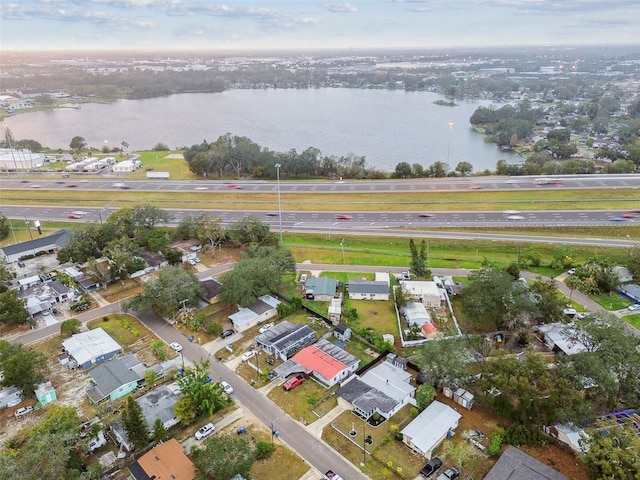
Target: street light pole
x=272 y=431
x=278 y=165
x=449 y=144
x=364 y=443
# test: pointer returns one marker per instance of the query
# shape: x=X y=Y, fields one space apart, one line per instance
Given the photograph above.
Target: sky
x=174 y=25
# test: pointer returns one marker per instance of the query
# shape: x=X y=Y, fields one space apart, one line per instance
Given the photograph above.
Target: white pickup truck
x=330 y=475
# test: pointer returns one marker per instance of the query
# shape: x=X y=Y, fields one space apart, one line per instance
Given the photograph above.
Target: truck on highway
x=158 y=175
x=330 y=475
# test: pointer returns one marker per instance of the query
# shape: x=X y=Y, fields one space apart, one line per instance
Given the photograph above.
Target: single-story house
x=113 y=379
x=514 y=463
x=559 y=337
x=384 y=389
x=212 y=289
x=29 y=282
x=321 y=289
x=154 y=261
x=59 y=291
x=87 y=349
x=10 y=397
x=426 y=293
x=631 y=290
x=368 y=290
x=428 y=430
x=259 y=311
x=328 y=363
x=188 y=248
x=623 y=274
x=166 y=460
x=155 y=404
x=285 y=338
x=45 y=393
x=416 y=314
x=48 y=244
x=35 y=304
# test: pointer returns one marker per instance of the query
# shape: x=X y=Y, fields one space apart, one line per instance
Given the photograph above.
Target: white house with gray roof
x=428 y=430
x=384 y=389
x=368 y=290
x=285 y=338
x=87 y=349
x=259 y=311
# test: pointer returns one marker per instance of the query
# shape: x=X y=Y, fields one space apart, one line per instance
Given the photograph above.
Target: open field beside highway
x=535 y=199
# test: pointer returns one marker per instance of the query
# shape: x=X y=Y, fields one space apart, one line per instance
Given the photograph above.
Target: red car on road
x=344 y=217
x=74 y=215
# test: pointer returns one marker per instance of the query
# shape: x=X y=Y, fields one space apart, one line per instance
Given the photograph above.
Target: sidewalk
x=316 y=427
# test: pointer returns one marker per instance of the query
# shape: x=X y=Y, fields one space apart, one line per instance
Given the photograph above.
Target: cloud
x=555 y=7
x=342 y=7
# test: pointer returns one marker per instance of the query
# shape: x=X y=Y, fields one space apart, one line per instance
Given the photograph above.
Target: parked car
x=191 y=261
x=570 y=312
x=176 y=346
x=571 y=271
x=226 y=387
x=634 y=307
x=293 y=382
x=205 y=431
x=227 y=333
x=266 y=327
x=450 y=473
x=582 y=315
x=22 y=411
x=303 y=277
x=248 y=354
x=432 y=467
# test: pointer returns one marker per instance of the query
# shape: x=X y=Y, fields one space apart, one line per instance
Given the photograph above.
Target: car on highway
x=617 y=219
x=233 y=185
x=227 y=333
x=176 y=346
x=343 y=217
x=515 y=217
x=266 y=327
x=475 y=187
x=205 y=431
x=425 y=215
x=510 y=212
x=272 y=214
x=226 y=387
x=628 y=215
x=35 y=185
x=634 y=307
x=293 y=382
x=120 y=185
x=74 y=215
x=432 y=467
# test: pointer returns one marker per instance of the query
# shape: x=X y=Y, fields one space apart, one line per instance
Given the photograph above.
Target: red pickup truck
x=293 y=382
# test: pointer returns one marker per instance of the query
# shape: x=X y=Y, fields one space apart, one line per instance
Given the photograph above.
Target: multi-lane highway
x=80 y=182
x=302 y=220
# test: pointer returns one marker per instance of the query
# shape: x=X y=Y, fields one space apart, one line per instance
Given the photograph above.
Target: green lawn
x=375 y=314
x=633 y=320
x=611 y=302
x=125 y=329
x=299 y=401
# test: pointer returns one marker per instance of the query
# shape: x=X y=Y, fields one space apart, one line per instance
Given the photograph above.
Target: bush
x=71 y=326
x=214 y=328
x=496 y=442
x=517 y=435
x=264 y=450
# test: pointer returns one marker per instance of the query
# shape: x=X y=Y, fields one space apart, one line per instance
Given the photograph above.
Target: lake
x=385 y=126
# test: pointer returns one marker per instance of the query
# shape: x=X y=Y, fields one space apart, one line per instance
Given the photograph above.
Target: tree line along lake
x=385 y=126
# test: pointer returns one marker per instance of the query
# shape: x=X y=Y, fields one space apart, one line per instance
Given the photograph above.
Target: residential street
x=303 y=440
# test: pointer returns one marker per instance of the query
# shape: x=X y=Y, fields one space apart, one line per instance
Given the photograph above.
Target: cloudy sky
x=267 y=24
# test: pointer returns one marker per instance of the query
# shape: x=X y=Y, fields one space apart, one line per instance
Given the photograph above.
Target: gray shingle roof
x=110 y=376
x=514 y=464
x=365 y=397
x=368 y=286
x=59 y=239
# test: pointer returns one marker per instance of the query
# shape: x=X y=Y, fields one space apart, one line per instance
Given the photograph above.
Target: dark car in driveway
x=227 y=333
x=432 y=467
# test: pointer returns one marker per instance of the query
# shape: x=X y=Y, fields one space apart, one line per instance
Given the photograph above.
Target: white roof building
x=91 y=347
x=427 y=431
x=416 y=314
x=427 y=292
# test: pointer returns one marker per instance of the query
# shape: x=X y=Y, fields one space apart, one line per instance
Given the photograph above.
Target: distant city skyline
x=174 y=25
